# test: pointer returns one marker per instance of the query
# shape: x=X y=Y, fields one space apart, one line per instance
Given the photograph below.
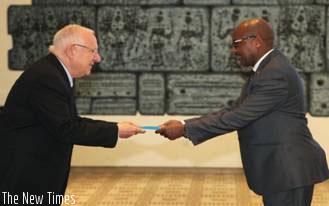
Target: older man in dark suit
x=281 y=160
x=39 y=123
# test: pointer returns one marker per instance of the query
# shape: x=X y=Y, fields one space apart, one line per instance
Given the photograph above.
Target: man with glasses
x=39 y=123
x=281 y=160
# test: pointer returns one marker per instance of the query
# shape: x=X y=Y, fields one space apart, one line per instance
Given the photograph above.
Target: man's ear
x=70 y=51
x=258 y=42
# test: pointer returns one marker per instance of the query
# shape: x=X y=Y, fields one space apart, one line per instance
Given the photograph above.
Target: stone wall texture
x=173 y=56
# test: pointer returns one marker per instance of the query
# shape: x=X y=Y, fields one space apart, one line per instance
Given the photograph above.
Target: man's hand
x=128 y=129
x=171 y=129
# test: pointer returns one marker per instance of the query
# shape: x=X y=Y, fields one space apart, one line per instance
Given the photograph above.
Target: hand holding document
x=128 y=129
x=171 y=129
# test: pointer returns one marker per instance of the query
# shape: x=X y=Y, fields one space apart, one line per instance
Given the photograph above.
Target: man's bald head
x=257 y=27
x=251 y=40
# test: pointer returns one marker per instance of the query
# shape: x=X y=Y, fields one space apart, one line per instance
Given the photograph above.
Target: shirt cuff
x=184 y=135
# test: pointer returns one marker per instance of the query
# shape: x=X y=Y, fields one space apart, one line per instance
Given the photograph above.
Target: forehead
x=239 y=32
x=89 y=38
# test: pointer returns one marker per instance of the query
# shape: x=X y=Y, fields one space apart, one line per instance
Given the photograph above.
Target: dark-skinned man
x=281 y=160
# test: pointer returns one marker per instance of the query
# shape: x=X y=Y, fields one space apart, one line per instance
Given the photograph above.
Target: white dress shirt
x=260 y=60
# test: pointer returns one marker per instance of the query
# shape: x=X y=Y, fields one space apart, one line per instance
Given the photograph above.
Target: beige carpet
x=167 y=187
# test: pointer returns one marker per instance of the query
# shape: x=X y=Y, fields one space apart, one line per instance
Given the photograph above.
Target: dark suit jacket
x=39 y=126
x=277 y=149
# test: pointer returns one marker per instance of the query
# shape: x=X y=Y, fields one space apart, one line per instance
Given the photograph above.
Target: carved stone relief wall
x=173 y=56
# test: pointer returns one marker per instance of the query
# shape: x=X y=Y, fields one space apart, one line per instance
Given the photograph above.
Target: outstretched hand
x=171 y=129
x=128 y=129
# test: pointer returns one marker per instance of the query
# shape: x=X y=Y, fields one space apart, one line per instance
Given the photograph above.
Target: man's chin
x=240 y=64
x=243 y=66
x=88 y=72
x=84 y=74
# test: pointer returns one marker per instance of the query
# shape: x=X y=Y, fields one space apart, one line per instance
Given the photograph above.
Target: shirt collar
x=67 y=72
x=260 y=60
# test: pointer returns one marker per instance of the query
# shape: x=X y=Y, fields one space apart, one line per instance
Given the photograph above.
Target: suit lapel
x=55 y=62
x=247 y=87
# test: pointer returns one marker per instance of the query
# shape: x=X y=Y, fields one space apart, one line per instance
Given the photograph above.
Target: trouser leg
x=301 y=196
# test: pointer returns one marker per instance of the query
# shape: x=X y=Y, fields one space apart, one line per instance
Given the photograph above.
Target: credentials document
x=150 y=127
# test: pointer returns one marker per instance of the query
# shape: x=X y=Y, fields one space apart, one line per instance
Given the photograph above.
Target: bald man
x=281 y=160
x=39 y=123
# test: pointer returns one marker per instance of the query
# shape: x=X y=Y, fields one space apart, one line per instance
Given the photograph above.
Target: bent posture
x=281 y=160
x=39 y=123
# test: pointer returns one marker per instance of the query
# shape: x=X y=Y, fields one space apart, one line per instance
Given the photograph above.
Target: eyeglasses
x=93 y=51
x=236 y=42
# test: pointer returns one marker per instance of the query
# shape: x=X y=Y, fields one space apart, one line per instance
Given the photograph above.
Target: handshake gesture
x=171 y=129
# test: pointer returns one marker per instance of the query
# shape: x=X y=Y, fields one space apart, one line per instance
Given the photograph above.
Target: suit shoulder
x=43 y=70
x=281 y=62
x=279 y=65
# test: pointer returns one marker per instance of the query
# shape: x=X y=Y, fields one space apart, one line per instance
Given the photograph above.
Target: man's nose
x=97 y=57
x=233 y=50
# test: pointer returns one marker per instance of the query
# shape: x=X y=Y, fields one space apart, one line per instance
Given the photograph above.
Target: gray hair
x=67 y=35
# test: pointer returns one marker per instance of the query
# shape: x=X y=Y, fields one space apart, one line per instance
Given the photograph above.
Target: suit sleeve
x=50 y=102
x=268 y=92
